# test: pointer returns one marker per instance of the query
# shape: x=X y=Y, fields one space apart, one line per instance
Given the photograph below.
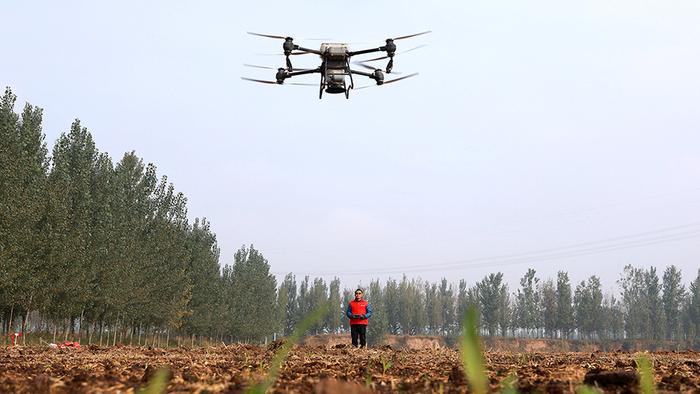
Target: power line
x=636 y=240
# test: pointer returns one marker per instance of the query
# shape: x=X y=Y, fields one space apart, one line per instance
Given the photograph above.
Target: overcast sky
x=548 y=134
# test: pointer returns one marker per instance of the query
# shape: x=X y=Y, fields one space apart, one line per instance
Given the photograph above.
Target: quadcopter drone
x=335 y=64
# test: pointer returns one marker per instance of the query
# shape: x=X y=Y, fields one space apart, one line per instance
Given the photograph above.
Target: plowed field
x=328 y=370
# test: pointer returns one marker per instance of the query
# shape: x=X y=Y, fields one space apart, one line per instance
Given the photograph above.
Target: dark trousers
x=358 y=332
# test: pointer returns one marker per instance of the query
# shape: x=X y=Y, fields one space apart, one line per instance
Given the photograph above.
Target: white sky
x=532 y=126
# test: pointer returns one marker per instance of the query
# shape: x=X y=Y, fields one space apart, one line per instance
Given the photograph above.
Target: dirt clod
x=611 y=378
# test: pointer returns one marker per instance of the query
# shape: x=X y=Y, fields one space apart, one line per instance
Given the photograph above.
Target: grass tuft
x=645 y=369
x=158 y=382
x=471 y=353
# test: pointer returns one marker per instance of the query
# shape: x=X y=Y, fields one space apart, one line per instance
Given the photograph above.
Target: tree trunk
x=80 y=324
x=167 y=340
x=9 y=322
x=114 y=338
x=26 y=318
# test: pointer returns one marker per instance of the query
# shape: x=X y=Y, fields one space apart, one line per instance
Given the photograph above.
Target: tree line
x=103 y=251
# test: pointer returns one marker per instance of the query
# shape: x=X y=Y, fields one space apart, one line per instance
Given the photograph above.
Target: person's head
x=359 y=294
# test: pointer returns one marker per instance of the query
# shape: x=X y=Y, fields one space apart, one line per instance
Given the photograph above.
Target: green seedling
x=368 y=379
x=586 y=390
x=509 y=384
x=157 y=384
x=645 y=369
x=471 y=353
x=284 y=350
x=386 y=364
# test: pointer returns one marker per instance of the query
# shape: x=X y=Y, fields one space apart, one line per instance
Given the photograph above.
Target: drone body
x=336 y=73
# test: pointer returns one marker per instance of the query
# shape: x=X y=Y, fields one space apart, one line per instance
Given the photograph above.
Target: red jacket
x=359 y=308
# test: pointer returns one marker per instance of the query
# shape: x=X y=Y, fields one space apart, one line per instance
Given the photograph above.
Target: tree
x=490 y=293
x=694 y=308
x=288 y=304
x=253 y=296
x=672 y=298
x=23 y=171
x=528 y=302
x=549 y=308
x=634 y=302
x=652 y=295
x=391 y=302
x=588 y=307
x=434 y=307
x=446 y=298
x=202 y=270
x=379 y=324
x=337 y=313
x=565 y=311
x=70 y=221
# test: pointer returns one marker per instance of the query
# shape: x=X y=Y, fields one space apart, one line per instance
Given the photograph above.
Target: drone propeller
x=389 y=81
x=398 y=53
x=367 y=66
x=412 y=35
x=259 y=81
x=275 y=83
x=282 y=54
x=274 y=68
x=284 y=38
x=267 y=35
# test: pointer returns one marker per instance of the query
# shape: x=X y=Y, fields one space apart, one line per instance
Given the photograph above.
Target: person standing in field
x=359 y=311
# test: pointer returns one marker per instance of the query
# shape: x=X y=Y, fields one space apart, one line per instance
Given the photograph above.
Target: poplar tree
x=528 y=302
x=288 y=304
x=23 y=167
x=588 y=307
x=565 y=312
x=253 y=294
x=694 y=308
x=203 y=276
x=672 y=298
x=70 y=221
x=379 y=323
x=336 y=312
x=490 y=291
x=549 y=308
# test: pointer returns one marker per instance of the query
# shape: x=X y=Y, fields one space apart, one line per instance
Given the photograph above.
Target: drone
x=335 y=65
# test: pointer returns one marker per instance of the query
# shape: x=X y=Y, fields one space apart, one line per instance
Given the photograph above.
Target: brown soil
x=323 y=369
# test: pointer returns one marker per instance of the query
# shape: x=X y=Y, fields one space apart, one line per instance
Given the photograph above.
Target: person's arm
x=348 y=312
x=369 y=311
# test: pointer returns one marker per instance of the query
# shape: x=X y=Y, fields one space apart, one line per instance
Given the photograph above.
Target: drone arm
x=363 y=51
x=303 y=72
x=371 y=75
x=376 y=75
x=297 y=47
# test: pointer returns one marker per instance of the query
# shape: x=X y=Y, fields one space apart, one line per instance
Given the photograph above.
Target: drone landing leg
x=320 y=91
